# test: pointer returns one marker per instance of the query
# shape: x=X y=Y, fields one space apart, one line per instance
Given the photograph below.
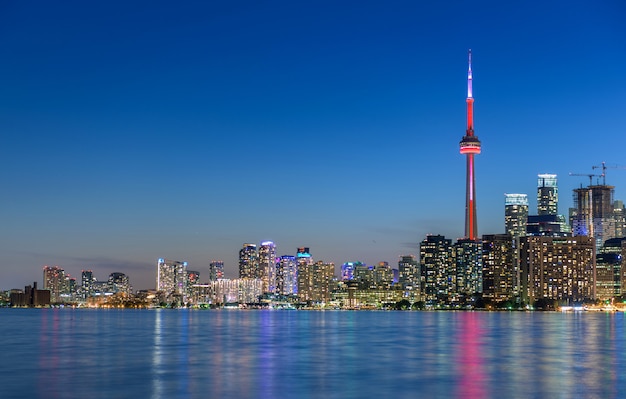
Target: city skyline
x=146 y=131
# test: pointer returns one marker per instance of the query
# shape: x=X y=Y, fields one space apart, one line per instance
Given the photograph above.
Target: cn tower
x=470 y=146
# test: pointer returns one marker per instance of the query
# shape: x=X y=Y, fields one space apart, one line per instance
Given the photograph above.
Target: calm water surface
x=66 y=353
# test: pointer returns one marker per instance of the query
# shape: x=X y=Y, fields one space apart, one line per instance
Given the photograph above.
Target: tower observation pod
x=470 y=146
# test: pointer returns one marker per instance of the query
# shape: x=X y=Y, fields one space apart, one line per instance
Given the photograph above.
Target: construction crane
x=604 y=168
x=589 y=175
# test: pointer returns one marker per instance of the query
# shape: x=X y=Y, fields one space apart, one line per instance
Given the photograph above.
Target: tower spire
x=470 y=146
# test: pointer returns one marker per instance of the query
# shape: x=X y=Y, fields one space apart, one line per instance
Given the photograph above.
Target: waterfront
x=69 y=353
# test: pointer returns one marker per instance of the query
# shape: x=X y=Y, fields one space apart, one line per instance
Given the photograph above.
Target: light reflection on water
x=64 y=353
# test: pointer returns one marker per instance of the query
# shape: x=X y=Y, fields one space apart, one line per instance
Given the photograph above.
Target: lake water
x=79 y=353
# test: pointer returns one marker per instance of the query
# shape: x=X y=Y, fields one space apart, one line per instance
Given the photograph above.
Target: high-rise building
x=287 y=275
x=409 y=276
x=119 y=282
x=469 y=267
x=557 y=268
x=500 y=274
x=314 y=281
x=619 y=214
x=515 y=214
x=54 y=281
x=347 y=270
x=267 y=265
x=192 y=279
x=216 y=270
x=172 y=277
x=87 y=281
x=547 y=194
x=470 y=146
x=249 y=262
x=437 y=268
x=594 y=213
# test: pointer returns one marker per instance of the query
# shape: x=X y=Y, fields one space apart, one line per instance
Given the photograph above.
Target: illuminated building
x=314 y=281
x=119 y=282
x=383 y=275
x=216 y=270
x=348 y=270
x=86 y=283
x=500 y=274
x=515 y=214
x=557 y=268
x=437 y=268
x=54 y=281
x=608 y=276
x=470 y=146
x=594 y=213
x=619 y=214
x=172 y=277
x=192 y=278
x=547 y=194
x=249 y=262
x=469 y=267
x=250 y=289
x=267 y=265
x=287 y=275
x=409 y=276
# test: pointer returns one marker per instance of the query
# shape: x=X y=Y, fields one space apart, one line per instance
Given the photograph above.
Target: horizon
x=134 y=132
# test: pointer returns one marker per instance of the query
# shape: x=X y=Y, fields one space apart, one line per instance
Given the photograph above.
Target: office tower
x=500 y=275
x=192 y=279
x=314 y=281
x=250 y=289
x=86 y=284
x=383 y=275
x=216 y=270
x=470 y=146
x=347 y=270
x=594 y=214
x=557 y=268
x=547 y=194
x=54 y=281
x=608 y=276
x=119 y=282
x=267 y=265
x=172 y=277
x=437 y=268
x=515 y=214
x=249 y=262
x=409 y=272
x=469 y=267
x=287 y=275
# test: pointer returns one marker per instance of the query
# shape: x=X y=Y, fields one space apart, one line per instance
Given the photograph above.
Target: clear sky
x=137 y=130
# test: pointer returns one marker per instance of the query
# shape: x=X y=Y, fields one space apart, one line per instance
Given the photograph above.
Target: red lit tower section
x=470 y=146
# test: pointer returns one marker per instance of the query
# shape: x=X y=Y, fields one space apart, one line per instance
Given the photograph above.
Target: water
x=65 y=353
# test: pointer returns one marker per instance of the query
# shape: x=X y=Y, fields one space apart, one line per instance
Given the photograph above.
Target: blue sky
x=137 y=131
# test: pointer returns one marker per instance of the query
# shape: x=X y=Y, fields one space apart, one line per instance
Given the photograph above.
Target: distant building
x=347 y=270
x=437 y=268
x=469 y=267
x=314 y=281
x=54 y=281
x=557 y=268
x=547 y=194
x=249 y=262
x=86 y=284
x=287 y=275
x=119 y=283
x=593 y=214
x=409 y=277
x=30 y=297
x=500 y=275
x=267 y=265
x=172 y=277
x=216 y=270
x=515 y=214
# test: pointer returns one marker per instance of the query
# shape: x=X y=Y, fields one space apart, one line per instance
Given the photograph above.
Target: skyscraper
x=119 y=282
x=314 y=281
x=216 y=270
x=249 y=262
x=267 y=265
x=515 y=214
x=469 y=267
x=287 y=275
x=54 y=280
x=437 y=268
x=172 y=277
x=500 y=277
x=547 y=195
x=470 y=146
x=87 y=280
